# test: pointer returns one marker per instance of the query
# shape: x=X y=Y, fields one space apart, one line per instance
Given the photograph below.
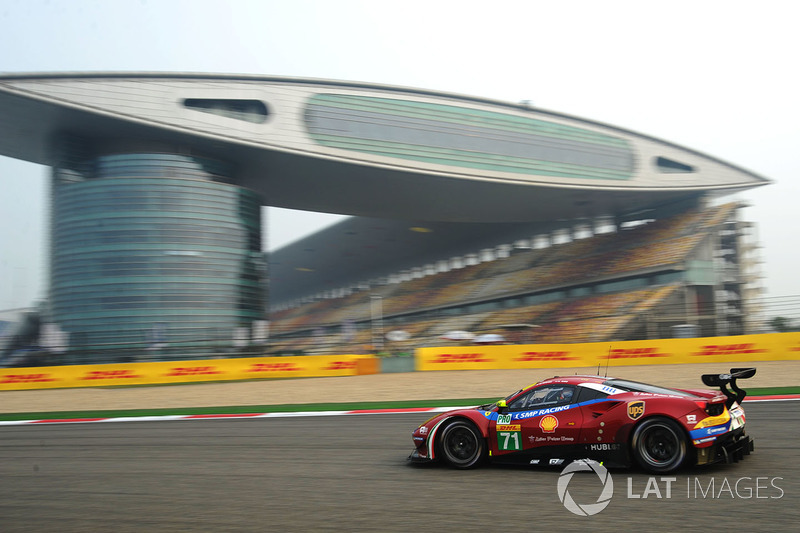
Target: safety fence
x=728 y=350
x=185 y=371
x=766 y=347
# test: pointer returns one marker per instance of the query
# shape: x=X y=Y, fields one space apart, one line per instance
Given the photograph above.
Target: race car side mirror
x=502 y=406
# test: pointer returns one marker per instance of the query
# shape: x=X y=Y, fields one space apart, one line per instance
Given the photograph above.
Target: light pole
x=376 y=309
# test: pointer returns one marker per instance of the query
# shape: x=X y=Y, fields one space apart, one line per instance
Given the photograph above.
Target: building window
x=247 y=110
x=466 y=138
x=672 y=167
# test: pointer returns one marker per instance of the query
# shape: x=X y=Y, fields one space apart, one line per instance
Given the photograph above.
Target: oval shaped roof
x=368 y=150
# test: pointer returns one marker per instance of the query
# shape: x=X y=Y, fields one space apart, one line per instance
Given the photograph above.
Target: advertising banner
x=766 y=347
x=115 y=375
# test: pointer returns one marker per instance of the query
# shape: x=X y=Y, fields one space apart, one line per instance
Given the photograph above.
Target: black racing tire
x=461 y=445
x=659 y=445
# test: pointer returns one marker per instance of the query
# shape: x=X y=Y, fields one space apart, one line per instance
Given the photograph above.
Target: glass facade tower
x=154 y=255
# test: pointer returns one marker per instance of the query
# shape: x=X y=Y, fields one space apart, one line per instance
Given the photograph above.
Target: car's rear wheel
x=659 y=445
x=462 y=445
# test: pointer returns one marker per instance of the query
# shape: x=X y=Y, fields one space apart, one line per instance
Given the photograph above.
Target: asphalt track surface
x=350 y=474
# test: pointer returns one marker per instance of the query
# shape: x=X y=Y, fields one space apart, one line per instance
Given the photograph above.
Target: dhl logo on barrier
x=447 y=358
x=275 y=367
x=110 y=374
x=341 y=365
x=193 y=371
x=11 y=379
x=728 y=349
x=634 y=353
x=545 y=356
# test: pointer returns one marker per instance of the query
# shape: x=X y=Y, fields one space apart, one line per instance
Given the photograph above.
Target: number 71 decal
x=509 y=437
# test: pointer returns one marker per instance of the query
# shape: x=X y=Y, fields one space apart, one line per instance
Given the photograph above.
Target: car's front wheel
x=462 y=445
x=659 y=445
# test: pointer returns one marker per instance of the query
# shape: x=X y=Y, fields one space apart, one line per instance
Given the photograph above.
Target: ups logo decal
x=635 y=409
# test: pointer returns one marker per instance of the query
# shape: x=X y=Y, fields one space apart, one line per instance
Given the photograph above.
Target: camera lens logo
x=588 y=509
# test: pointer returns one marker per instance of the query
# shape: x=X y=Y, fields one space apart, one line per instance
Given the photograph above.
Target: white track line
x=297 y=414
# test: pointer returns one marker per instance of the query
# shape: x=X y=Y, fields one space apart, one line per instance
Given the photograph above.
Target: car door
x=544 y=416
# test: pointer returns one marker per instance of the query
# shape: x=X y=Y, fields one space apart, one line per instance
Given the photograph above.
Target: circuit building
x=158 y=180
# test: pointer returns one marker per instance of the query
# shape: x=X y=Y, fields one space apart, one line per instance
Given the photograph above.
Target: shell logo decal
x=548 y=423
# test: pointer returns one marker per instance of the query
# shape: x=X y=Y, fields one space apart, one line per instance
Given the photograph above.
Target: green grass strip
x=770 y=391
x=244 y=409
x=297 y=407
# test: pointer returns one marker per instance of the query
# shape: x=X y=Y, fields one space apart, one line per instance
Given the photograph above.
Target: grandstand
x=466 y=213
x=636 y=283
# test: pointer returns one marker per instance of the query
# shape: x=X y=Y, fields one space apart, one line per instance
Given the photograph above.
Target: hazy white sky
x=717 y=76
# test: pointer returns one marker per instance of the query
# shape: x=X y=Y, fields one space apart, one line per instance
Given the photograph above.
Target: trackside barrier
x=182 y=371
x=367 y=366
x=765 y=347
x=394 y=365
x=744 y=348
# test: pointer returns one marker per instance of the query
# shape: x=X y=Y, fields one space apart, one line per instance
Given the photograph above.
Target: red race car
x=615 y=421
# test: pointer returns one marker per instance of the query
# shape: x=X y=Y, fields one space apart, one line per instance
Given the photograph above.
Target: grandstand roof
x=395 y=157
x=367 y=150
x=359 y=249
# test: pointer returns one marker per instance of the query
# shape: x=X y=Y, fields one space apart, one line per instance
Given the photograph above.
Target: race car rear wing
x=722 y=380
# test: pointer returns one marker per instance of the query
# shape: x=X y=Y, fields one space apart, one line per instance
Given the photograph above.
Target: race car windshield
x=512 y=395
x=634 y=386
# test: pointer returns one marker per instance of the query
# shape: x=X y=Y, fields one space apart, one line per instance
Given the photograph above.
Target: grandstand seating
x=660 y=245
